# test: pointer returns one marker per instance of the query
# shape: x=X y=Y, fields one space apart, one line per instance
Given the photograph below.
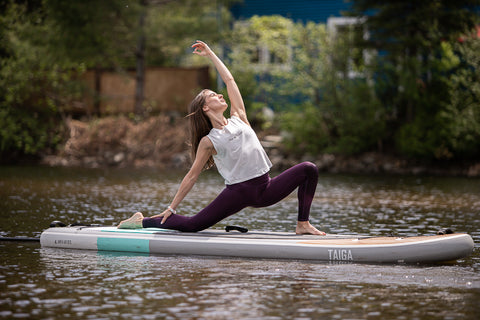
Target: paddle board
x=269 y=245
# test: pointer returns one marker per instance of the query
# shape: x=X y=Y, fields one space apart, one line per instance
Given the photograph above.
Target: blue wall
x=298 y=10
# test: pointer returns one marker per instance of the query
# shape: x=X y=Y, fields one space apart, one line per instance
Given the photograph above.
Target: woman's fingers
x=200 y=47
x=198 y=42
x=165 y=216
x=197 y=50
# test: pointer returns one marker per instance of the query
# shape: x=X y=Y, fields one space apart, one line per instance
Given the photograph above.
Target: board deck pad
x=221 y=233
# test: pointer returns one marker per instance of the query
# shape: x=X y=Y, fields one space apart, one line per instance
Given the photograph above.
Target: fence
x=165 y=90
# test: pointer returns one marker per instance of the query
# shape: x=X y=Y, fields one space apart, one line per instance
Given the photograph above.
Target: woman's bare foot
x=134 y=222
x=304 y=227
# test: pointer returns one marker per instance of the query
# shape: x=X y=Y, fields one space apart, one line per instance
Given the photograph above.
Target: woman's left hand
x=165 y=214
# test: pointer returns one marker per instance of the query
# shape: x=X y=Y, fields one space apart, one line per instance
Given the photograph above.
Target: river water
x=43 y=283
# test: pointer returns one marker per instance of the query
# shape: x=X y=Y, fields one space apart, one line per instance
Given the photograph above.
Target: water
x=45 y=283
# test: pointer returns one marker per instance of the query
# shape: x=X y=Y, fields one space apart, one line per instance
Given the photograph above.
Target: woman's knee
x=310 y=168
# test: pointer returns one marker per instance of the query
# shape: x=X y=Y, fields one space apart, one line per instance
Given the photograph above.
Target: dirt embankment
x=117 y=141
x=161 y=142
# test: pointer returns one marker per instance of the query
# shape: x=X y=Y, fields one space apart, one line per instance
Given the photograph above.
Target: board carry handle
x=444 y=231
x=57 y=223
x=236 y=228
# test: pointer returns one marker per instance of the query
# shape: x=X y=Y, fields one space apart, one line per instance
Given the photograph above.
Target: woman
x=235 y=149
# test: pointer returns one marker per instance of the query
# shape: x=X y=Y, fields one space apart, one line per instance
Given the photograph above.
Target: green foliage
x=323 y=108
x=29 y=84
x=106 y=33
x=461 y=117
x=419 y=99
x=88 y=31
x=349 y=117
x=423 y=106
x=419 y=79
x=360 y=124
x=173 y=27
x=22 y=131
x=46 y=44
x=250 y=44
x=306 y=130
x=406 y=27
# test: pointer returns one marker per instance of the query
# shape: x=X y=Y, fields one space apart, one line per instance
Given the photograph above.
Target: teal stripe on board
x=116 y=244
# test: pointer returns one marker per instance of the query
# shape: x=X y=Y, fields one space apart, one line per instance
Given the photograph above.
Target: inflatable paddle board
x=269 y=245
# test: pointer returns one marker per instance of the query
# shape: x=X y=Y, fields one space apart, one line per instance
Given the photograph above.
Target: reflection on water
x=41 y=283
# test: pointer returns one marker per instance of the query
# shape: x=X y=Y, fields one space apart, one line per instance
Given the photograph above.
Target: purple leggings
x=258 y=192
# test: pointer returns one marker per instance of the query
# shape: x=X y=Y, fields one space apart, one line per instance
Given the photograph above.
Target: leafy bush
x=322 y=107
x=446 y=122
x=461 y=116
x=306 y=130
x=360 y=122
x=29 y=87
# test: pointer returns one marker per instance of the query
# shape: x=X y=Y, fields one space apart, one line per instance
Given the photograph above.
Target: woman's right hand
x=201 y=48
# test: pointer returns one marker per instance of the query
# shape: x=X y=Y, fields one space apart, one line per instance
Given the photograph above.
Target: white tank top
x=240 y=156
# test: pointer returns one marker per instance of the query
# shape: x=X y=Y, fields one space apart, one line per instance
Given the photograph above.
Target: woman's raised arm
x=237 y=106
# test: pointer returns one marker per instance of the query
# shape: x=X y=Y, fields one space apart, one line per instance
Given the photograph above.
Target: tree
x=120 y=35
x=96 y=34
x=461 y=117
x=304 y=74
x=167 y=27
x=30 y=83
x=412 y=69
x=46 y=44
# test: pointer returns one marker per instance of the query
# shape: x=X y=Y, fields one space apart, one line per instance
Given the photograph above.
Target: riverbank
x=160 y=142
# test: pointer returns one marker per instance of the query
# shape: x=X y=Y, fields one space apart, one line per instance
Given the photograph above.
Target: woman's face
x=214 y=102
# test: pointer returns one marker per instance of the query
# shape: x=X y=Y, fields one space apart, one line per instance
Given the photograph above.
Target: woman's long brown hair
x=200 y=125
